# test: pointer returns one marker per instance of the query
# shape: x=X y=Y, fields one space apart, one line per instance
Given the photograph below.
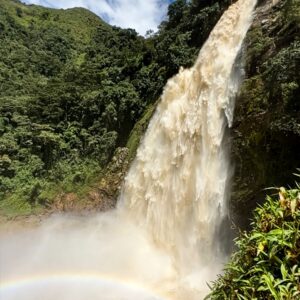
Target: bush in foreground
x=266 y=264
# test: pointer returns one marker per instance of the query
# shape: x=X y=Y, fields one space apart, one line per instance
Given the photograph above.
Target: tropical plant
x=266 y=264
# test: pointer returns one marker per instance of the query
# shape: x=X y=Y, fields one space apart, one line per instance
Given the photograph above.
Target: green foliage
x=138 y=132
x=27 y=193
x=267 y=120
x=272 y=63
x=266 y=262
x=181 y=37
x=72 y=88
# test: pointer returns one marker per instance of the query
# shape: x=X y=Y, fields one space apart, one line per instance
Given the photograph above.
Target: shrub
x=266 y=263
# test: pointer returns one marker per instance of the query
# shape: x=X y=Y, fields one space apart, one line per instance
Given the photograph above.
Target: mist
x=163 y=240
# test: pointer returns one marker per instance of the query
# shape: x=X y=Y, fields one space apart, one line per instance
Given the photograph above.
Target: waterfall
x=177 y=186
x=163 y=241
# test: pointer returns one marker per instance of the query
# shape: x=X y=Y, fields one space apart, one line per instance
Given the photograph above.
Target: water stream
x=166 y=238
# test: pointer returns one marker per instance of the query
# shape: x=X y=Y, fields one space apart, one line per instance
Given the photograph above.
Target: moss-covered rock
x=266 y=139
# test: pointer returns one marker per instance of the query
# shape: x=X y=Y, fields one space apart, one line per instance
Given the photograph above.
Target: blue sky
x=141 y=15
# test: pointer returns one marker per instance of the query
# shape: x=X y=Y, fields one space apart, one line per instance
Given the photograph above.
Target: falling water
x=178 y=183
x=163 y=241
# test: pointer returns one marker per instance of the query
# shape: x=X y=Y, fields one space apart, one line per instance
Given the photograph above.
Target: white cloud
x=138 y=14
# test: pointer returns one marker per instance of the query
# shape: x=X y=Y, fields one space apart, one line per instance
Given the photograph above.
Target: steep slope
x=61 y=109
x=38 y=42
x=78 y=22
x=266 y=129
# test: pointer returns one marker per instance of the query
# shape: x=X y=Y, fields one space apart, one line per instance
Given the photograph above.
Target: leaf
x=256 y=236
x=283 y=271
x=268 y=279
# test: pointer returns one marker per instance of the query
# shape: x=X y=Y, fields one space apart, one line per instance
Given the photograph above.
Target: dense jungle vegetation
x=72 y=87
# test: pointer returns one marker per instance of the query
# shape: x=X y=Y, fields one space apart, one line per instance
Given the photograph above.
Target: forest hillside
x=72 y=89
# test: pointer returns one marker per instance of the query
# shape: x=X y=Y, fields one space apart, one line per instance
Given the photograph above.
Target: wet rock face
x=266 y=129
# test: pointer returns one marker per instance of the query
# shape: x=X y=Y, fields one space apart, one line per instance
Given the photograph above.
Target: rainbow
x=69 y=278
